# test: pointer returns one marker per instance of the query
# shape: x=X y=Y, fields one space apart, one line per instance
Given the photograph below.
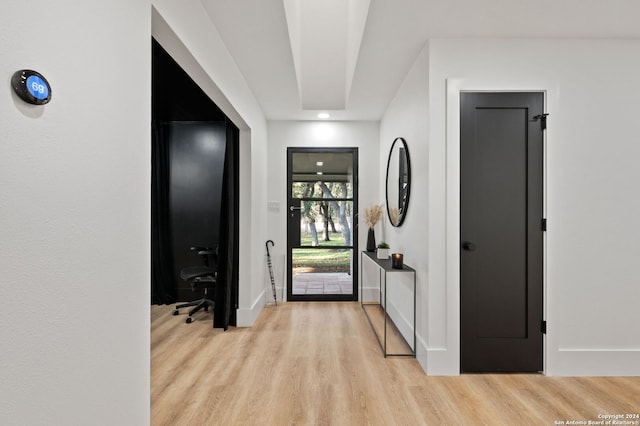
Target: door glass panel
x=322 y=257
x=322 y=271
x=326 y=223
x=322 y=189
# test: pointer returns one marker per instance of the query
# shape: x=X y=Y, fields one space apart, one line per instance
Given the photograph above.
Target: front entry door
x=501 y=202
x=322 y=238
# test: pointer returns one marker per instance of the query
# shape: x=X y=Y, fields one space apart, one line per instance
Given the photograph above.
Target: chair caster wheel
x=189 y=320
x=175 y=312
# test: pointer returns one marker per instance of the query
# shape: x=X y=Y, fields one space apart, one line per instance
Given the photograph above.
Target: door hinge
x=543 y=224
x=543 y=120
x=543 y=327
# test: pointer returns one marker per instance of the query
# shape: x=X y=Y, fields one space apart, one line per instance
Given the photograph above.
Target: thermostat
x=31 y=87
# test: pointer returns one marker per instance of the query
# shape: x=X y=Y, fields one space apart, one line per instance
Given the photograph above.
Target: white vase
x=383 y=253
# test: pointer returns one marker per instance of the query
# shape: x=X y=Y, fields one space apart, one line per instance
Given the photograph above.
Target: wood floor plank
x=319 y=364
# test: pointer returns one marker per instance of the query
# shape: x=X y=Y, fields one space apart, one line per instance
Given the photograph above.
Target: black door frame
x=542 y=192
x=354 y=273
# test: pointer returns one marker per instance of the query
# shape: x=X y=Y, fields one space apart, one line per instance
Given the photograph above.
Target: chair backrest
x=209 y=255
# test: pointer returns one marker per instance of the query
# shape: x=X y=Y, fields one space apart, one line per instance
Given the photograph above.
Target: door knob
x=468 y=246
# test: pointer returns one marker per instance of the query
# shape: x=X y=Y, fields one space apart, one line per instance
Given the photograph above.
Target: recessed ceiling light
x=318 y=173
x=323 y=115
x=319 y=163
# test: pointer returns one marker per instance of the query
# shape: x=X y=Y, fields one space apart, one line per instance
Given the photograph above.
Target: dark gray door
x=501 y=196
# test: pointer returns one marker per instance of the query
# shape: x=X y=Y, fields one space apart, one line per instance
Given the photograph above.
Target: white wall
x=74 y=214
x=284 y=134
x=408 y=116
x=591 y=284
x=186 y=32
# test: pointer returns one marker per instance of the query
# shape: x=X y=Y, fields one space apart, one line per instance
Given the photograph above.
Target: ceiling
x=256 y=33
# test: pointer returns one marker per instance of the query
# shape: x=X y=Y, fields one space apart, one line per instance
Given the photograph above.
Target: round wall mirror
x=398 y=182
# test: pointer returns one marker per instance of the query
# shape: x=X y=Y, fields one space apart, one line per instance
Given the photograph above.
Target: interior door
x=321 y=236
x=501 y=202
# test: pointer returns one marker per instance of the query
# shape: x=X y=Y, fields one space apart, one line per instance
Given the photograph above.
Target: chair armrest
x=207 y=253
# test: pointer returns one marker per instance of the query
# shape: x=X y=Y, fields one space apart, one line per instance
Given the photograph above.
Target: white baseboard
x=564 y=362
x=370 y=294
x=434 y=361
x=594 y=362
x=281 y=295
x=402 y=323
x=246 y=317
x=421 y=352
x=442 y=362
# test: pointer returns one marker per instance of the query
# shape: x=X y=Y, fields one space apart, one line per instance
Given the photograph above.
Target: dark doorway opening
x=194 y=188
x=501 y=216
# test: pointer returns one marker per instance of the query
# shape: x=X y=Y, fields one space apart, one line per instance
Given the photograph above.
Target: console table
x=389 y=303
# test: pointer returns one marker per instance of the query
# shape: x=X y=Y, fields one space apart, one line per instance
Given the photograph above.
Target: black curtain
x=162 y=286
x=227 y=286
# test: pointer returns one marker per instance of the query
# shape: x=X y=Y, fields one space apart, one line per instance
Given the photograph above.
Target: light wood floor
x=319 y=363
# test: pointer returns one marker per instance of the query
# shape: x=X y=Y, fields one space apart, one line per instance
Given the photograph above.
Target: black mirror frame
x=386 y=189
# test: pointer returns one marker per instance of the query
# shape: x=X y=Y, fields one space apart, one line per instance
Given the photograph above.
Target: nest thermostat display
x=31 y=87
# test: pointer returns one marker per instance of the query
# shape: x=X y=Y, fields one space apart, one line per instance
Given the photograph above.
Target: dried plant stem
x=372 y=215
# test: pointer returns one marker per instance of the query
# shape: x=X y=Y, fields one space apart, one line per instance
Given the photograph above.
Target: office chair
x=200 y=277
